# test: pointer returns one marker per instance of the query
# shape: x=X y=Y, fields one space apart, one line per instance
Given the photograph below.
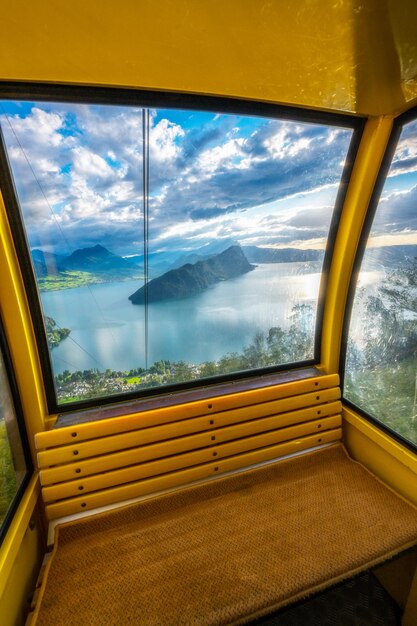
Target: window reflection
x=12 y=461
x=381 y=362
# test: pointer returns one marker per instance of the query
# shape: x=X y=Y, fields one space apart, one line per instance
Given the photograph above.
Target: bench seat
x=226 y=551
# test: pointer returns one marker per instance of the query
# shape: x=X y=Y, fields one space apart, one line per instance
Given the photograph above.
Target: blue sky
x=395 y=221
x=259 y=181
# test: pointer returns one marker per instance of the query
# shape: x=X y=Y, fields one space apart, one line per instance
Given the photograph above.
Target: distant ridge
x=46 y=263
x=191 y=279
x=255 y=254
x=96 y=259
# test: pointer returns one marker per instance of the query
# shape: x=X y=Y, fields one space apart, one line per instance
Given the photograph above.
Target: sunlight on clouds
x=309 y=244
x=212 y=176
x=210 y=160
x=87 y=163
x=398 y=239
x=163 y=140
x=283 y=144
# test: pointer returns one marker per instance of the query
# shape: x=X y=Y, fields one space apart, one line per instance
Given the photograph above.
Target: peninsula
x=193 y=278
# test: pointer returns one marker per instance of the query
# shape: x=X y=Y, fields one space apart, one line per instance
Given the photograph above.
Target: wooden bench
x=104 y=462
x=220 y=546
x=228 y=550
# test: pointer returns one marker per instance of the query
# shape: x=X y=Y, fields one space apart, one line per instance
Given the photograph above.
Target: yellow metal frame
x=18 y=527
x=20 y=335
x=350 y=56
x=371 y=152
x=385 y=457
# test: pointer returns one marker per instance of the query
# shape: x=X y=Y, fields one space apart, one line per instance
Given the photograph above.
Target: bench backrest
x=91 y=465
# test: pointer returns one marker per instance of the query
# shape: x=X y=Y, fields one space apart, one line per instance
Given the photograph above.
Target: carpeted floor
x=228 y=551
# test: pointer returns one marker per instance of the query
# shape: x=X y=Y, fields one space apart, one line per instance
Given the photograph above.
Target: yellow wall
x=15 y=601
x=345 y=55
x=20 y=556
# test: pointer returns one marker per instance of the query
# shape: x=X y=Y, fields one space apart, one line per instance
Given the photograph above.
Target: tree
x=256 y=354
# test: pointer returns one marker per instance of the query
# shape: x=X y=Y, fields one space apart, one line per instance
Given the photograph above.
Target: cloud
x=317 y=217
x=405 y=157
x=397 y=212
x=78 y=170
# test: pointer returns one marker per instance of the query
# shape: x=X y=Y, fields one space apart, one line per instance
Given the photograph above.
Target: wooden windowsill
x=72 y=418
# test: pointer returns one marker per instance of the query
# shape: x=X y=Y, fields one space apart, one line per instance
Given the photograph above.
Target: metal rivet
x=213 y=438
x=318 y=425
x=211 y=422
x=75 y=452
x=209 y=406
x=73 y=434
x=80 y=488
x=317 y=397
x=78 y=471
x=316 y=384
x=214 y=453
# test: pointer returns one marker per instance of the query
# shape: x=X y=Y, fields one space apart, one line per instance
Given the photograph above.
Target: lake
x=108 y=331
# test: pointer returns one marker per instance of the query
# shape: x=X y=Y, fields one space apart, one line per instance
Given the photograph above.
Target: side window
x=381 y=360
x=171 y=246
x=13 y=459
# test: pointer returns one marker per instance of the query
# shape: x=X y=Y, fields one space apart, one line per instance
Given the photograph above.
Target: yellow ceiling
x=346 y=55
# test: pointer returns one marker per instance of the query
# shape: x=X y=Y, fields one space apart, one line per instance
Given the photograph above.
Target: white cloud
x=87 y=162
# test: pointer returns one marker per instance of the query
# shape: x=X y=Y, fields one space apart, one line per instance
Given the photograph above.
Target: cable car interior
x=208 y=312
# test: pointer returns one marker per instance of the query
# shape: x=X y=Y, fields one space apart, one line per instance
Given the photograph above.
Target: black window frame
x=4 y=349
x=138 y=98
x=398 y=125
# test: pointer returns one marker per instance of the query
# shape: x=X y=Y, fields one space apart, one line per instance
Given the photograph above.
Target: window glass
x=381 y=363
x=12 y=460
x=172 y=245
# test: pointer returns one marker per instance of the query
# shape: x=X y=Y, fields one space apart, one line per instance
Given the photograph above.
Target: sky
x=395 y=221
x=258 y=181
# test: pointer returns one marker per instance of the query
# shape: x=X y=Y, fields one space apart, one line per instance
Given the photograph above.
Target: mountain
x=203 y=253
x=390 y=256
x=281 y=255
x=46 y=263
x=97 y=260
x=191 y=279
x=158 y=262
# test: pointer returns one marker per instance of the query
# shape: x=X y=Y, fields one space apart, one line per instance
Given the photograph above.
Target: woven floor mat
x=227 y=551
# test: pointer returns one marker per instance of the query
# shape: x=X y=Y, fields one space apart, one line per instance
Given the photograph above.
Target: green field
x=71 y=279
x=133 y=380
x=68 y=280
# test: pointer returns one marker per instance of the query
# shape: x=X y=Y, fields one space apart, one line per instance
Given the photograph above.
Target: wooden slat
x=185 y=476
x=185 y=396
x=165 y=415
x=124 y=458
x=145 y=470
x=103 y=445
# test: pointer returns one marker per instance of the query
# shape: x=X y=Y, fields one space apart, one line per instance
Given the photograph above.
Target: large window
x=13 y=461
x=381 y=361
x=174 y=245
